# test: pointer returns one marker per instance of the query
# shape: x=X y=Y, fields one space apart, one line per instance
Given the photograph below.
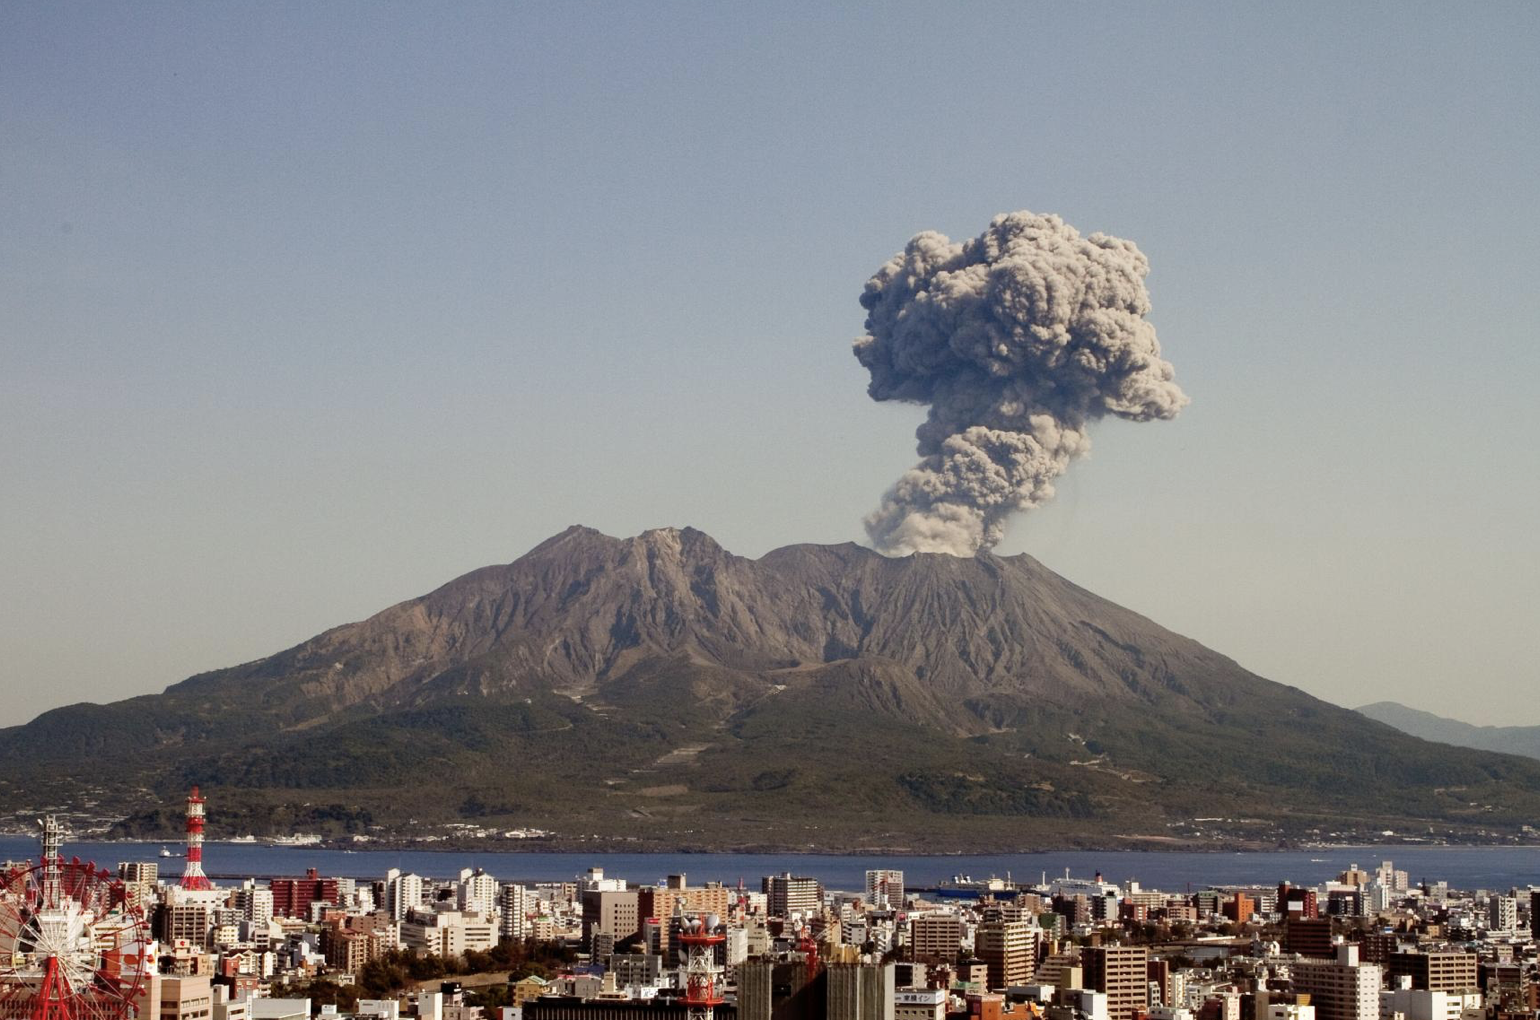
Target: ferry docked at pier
x=968 y=887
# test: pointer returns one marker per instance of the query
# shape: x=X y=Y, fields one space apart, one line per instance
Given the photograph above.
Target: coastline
x=620 y=847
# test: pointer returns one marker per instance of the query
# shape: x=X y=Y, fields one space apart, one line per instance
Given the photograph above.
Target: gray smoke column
x=1017 y=340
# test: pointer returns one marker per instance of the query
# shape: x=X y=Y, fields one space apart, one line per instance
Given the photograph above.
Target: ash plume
x=1017 y=340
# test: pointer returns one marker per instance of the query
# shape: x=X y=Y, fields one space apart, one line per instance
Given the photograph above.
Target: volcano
x=660 y=692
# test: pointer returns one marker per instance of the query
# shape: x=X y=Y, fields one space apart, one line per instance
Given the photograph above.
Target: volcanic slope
x=661 y=691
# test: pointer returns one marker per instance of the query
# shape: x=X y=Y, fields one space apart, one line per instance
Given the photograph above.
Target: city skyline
x=593 y=944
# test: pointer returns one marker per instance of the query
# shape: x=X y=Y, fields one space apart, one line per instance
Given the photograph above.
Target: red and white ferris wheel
x=73 y=946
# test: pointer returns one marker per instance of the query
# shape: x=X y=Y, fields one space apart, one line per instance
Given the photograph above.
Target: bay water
x=1462 y=867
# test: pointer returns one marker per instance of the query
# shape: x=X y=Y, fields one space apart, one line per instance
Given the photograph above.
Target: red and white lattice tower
x=192 y=875
x=702 y=980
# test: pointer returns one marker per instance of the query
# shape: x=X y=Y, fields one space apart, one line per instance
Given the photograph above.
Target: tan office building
x=1009 y=950
x=1340 y=989
x=1122 y=972
x=935 y=937
x=1436 y=972
x=175 y=998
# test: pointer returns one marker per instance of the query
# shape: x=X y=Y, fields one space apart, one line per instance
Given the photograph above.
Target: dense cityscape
x=144 y=942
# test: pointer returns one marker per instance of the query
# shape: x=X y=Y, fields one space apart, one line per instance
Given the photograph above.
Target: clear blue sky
x=307 y=308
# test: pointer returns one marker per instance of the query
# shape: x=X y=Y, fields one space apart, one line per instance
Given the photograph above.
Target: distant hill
x=1523 y=740
x=659 y=691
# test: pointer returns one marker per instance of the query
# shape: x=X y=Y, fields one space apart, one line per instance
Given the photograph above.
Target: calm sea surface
x=1461 y=867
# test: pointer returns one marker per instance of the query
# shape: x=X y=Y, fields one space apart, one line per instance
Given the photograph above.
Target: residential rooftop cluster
x=1367 y=946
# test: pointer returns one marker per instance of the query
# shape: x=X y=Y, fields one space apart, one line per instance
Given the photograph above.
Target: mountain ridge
x=662 y=689
x=1520 y=740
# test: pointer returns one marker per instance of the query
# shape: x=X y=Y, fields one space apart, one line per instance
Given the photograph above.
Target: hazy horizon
x=309 y=309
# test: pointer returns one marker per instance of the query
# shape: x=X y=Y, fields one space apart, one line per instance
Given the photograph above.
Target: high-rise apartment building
x=139 y=880
x=1341 y=988
x=1296 y=902
x=1437 y=971
x=1353 y=902
x=1161 y=986
x=1207 y=901
x=885 y=888
x=1122 y=972
x=145 y=872
x=1503 y=913
x=858 y=991
x=787 y=895
x=476 y=892
x=513 y=905
x=935 y=937
x=349 y=950
x=1354 y=876
x=675 y=894
x=402 y=893
x=614 y=913
x=254 y=902
x=447 y=933
x=189 y=922
x=1009 y=951
x=292 y=897
x=1308 y=936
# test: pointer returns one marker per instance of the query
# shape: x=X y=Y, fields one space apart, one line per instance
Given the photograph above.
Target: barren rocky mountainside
x=661 y=691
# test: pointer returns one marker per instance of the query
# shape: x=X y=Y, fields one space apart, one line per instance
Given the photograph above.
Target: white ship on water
x=967 y=886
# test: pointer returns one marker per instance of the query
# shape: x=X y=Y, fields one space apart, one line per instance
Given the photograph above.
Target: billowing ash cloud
x=1017 y=340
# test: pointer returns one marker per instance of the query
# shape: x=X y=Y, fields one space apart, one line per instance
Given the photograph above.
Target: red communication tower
x=73 y=946
x=807 y=945
x=192 y=875
x=702 y=993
